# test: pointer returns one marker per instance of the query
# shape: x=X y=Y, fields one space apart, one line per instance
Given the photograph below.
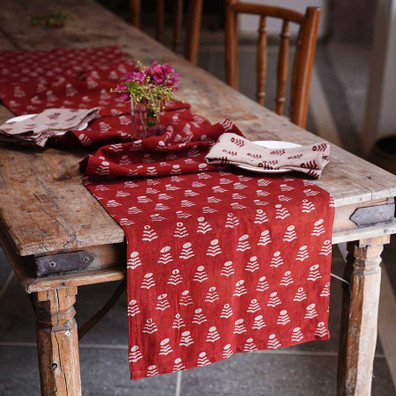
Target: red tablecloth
x=219 y=262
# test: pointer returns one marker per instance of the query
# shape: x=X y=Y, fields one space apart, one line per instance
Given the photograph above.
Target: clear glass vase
x=145 y=121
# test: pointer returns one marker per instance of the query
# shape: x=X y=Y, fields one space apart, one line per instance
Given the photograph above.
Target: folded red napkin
x=236 y=150
x=50 y=123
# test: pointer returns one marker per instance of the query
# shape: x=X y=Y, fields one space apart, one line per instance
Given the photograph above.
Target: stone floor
x=307 y=369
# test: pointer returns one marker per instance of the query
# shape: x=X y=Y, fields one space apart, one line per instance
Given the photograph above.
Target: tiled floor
x=302 y=370
x=307 y=369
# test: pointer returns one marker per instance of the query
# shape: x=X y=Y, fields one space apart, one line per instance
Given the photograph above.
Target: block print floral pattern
x=218 y=261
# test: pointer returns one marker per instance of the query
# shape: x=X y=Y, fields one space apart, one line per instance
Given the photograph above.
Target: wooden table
x=45 y=210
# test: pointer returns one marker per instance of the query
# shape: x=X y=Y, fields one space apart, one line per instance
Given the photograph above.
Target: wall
x=351 y=20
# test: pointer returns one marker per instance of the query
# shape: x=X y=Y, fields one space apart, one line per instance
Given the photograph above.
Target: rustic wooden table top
x=44 y=207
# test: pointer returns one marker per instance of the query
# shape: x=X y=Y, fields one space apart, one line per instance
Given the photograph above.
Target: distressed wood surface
x=57 y=342
x=359 y=320
x=43 y=206
x=115 y=270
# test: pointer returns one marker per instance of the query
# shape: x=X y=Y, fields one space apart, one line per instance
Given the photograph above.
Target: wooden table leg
x=360 y=316
x=57 y=342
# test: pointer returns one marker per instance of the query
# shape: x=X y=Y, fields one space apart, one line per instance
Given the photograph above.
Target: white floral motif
x=258 y=323
x=135 y=354
x=227 y=269
x=175 y=278
x=213 y=335
x=200 y=275
x=239 y=326
x=252 y=264
x=214 y=248
x=162 y=302
x=243 y=243
x=232 y=221
x=261 y=217
x=186 y=252
x=314 y=273
x=134 y=261
x=199 y=317
x=185 y=299
x=286 y=279
x=203 y=226
x=300 y=295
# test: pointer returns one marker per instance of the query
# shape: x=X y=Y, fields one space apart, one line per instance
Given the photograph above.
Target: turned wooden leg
x=57 y=342
x=359 y=318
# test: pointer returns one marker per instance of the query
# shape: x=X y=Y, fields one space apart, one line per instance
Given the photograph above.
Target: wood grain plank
x=32 y=284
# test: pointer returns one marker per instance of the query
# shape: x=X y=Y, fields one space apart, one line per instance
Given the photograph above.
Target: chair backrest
x=303 y=57
x=193 y=25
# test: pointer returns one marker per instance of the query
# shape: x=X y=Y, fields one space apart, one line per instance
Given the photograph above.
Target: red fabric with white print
x=73 y=79
x=24 y=66
x=218 y=262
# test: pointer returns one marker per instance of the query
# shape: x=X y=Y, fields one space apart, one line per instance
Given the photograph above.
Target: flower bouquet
x=148 y=88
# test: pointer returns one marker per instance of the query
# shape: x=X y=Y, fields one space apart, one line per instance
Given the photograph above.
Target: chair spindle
x=177 y=27
x=160 y=20
x=261 y=66
x=193 y=24
x=135 y=13
x=295 y=70
x=303 y=57
x=282 y=67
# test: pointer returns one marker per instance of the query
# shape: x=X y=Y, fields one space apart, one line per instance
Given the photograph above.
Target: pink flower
x=135 y=76
x=168 y=69
x=157 y=73
x=124 y=96
x=173 y=80
x=150 y=78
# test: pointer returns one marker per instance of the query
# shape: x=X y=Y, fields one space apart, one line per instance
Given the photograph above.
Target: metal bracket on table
x=373 y=214
x=62 y=262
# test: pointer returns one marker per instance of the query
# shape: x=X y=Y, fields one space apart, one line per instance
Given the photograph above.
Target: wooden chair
x=303 y=58
x=194 y=19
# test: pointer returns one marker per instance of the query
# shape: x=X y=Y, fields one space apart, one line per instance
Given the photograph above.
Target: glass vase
x=145 y=121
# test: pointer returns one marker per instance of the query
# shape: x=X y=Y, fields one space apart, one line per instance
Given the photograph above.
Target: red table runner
x=218 y=261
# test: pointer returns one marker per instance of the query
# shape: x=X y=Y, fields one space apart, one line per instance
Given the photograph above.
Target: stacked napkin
x=37 y=130
x=236 y=150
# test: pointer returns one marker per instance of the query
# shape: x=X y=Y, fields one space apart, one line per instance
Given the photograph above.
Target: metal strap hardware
x=62 y=262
